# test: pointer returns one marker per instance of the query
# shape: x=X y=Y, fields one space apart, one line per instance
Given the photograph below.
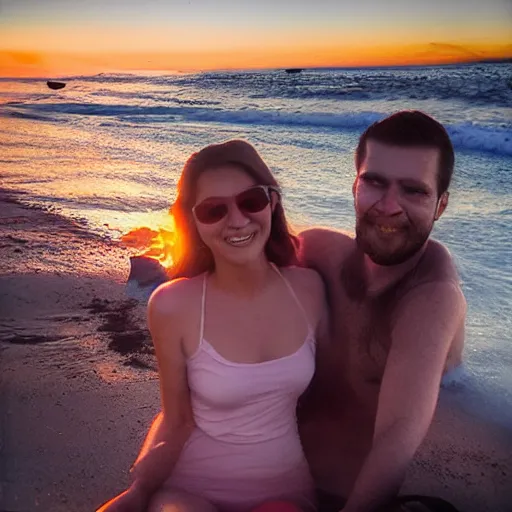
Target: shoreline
x=46 y=255
x=76 y=406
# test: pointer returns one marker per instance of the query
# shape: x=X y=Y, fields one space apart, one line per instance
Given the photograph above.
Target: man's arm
x=421 y=338
x=321 y=248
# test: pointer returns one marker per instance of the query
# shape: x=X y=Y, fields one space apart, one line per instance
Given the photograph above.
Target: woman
x=234 y=337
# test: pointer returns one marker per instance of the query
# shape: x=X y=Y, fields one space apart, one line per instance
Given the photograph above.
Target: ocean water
x=108 y=149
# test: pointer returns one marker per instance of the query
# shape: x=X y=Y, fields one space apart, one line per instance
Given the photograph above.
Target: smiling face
x=239 y=237
x=396 y=202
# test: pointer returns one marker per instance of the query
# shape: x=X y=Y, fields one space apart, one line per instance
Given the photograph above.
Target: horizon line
x=467 y=61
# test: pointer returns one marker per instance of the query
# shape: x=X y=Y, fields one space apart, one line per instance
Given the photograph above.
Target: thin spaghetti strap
x=203 y=302
x=294 y=295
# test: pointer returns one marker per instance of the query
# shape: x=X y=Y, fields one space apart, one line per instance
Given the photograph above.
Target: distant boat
x=55 y=85
x=293 y=70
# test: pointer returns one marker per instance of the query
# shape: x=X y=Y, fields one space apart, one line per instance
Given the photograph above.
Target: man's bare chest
x=360 y=337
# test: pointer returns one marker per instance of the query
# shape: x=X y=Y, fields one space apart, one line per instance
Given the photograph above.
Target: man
x=397 y=317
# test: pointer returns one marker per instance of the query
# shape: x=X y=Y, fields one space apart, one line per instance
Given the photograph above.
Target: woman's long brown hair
x=191 y=256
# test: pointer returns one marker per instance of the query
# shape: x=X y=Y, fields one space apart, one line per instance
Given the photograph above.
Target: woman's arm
x=170 y=429
x=177 y=421
x=313 y=293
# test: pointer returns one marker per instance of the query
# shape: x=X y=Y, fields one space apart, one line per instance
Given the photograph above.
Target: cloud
x=454 y=49
x=450 y=52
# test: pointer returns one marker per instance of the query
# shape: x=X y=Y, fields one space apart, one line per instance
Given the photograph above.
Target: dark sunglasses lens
x=210 y=212
x=253 y=200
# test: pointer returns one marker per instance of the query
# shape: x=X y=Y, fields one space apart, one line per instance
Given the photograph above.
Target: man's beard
x=413 y=240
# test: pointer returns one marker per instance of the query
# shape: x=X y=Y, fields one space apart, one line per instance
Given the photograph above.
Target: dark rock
x=146 y=274
x=146 y=271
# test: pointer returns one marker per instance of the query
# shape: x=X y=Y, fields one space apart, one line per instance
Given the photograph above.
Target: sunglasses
x=252 y=200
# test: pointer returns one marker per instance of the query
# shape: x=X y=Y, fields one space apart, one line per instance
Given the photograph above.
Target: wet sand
x=78 y=386
x=464 y=460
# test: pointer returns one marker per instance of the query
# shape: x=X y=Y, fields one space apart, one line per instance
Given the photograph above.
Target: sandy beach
x=78 y=382
x=78 y=385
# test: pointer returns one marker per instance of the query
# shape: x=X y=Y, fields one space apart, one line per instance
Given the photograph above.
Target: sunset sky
x=58 y=37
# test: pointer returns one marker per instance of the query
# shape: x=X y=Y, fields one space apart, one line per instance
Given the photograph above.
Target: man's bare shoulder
x=438 y=280
x=323 y=246
x=441 y=260
x=434 y=297
x=431 y=318
x=429 y=295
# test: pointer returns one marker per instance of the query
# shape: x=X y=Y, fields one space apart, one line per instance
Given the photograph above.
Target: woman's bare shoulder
x=310 y=291
x=302 y=276
x=305 y=281
x=176 y=295
x=172 y=313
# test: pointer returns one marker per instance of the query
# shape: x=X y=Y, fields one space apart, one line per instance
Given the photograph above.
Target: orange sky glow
x=62 y=41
